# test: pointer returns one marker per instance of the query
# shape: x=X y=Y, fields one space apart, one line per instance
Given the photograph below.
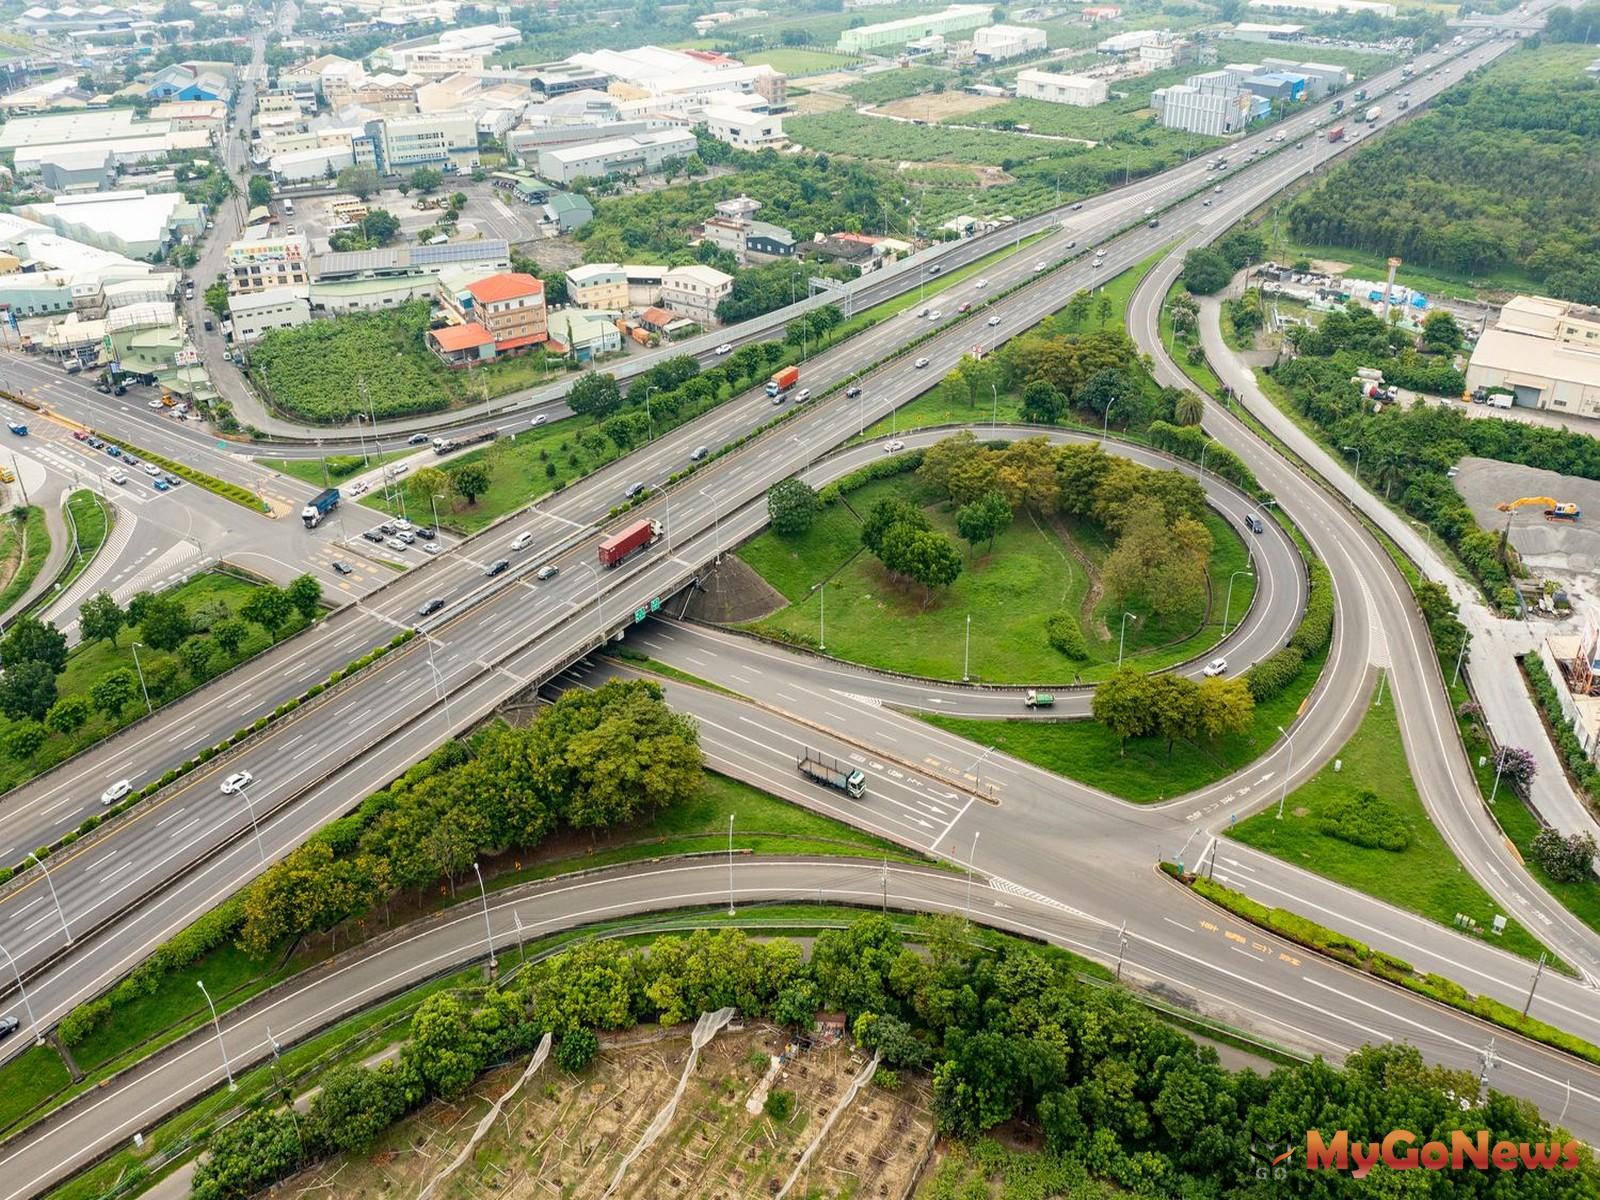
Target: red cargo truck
x=783 y=380
x=625 y=541
x=1336 y=134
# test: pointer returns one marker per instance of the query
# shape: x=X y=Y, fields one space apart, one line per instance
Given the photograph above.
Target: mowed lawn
x=1425 y=877
x=1010 y=593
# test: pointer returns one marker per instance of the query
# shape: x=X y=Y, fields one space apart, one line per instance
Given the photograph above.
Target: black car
x=852 y=392
x=417 y=439
x=499 y=566
x=8 y=1026
x=341 y=567
x=426 y=532
x=431 y=606
x=373 y=535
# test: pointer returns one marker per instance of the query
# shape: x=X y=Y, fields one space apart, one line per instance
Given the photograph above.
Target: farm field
x=565 y=1135
x=799 y=63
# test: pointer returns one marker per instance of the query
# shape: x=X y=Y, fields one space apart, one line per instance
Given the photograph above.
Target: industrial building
x=957 y=19
x=1213 y=112
x=1081 y=91
x=1254 y=31
x=744 y=130
x=56 y=274
x=1322 y=79
x=256 y=313
x=1545 y=353
x=133 y=222
x=999 y=43
x=639 y=154
x=448 y=140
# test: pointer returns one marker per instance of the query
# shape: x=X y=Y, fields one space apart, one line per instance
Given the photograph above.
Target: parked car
x=341 y=567
x=407 y=536
x=430 y=548
x=116 y=791
x=426 y=532
x=156 y=403
x=429 y=607
x=395 y=543
x=1217 y=666
x=237 y=781
x=162 y=485
x=373 y=535
x=548 y=571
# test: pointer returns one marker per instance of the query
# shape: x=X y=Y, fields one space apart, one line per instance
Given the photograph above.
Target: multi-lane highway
x=523 y=631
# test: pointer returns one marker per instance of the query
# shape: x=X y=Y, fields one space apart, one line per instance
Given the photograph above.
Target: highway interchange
x=520 y=633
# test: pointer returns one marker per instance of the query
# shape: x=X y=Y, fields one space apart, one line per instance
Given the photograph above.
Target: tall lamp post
x=1283 y=795
x=1122 y=635
x=1105 y=425
x=1228 y=607
x=227 y=1067
x=599 y=606
x=731 y=909
x=50 y=883
x=33 y=1023
x=716 y=522
x=1357 y=450
x=244 y=790
x=972 y=857
x=148 y=707
x=488 y=931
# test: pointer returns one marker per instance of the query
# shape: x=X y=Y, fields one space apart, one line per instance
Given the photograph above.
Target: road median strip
x=243 y=497
x=1360 y=957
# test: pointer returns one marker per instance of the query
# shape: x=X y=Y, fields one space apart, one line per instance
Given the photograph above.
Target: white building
x=958 y=18
x=255 y=265
x=1129 y=43
x=746 y=130
x=997 y=43
x=304 y=166
x=1081 y=91
x=133 y=222
x=1213 y=111
x=448 y=140
x=1545 y=353
x=695 y=291
x=254 y=313
x=640 y=154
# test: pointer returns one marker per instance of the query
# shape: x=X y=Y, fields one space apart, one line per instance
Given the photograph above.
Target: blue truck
x=18 y=428
x=323 y=503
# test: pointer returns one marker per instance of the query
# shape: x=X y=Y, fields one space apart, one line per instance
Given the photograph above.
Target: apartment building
x=598 y=285
x=509 y=306
x=695 y=291
x=256 y=264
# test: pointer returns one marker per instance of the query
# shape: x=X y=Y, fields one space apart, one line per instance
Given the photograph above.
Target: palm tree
x=1188 y=408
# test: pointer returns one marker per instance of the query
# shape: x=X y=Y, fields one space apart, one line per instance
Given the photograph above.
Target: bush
x=576 y=1050
x=1366 y=819
x=1273 y=673
x=779 y=1104
x=1568 y=859
x=1063 y=633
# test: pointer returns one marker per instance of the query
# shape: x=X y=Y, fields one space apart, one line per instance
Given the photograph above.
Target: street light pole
x=1105 y=425
x=227 y=1067
x=995 y=420
x=1499 y=767
x=971 y=858
x=647 y=415
x=822 y=615
x=244 y=790
x=1283 y=795
x=1460 y=654
x=488 y=931
x=599 y=606
x=433 y=504
x=1203 y=451
x=50 y=883
x=731 y=909
x=148 y=707
x=966 y=653
x=1123 y=634
x=33 y=1023
x=1228 y=607
x=716 y=523
x=1357 y=450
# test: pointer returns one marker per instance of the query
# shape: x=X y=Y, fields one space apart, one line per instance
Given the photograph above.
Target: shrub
x=1568 y=859
x=576 y=1050
x=1063 y=633
x=779 y=1104
x=1366 y=819
x=1273 y=673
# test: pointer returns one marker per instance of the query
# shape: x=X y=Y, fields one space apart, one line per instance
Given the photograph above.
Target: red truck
x=625 y=541
x=783 y=381
x=1336 y=134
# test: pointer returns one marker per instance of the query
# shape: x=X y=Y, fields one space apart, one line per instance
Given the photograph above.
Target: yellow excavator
x=1554 y=510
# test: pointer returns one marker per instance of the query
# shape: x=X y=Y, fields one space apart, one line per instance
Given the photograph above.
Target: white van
x=522 y=541
x=1500 y=400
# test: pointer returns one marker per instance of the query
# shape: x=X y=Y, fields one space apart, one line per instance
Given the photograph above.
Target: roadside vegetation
x=24 y=545
x=55 y=703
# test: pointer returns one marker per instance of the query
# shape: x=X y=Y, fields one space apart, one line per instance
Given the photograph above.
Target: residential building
x=695 y=291
x=583 y=334
x=310 y=77
x=746 y=130
x=763 y=237
x=1166 y=52
x=133 y=222
x=640 y=154
x=1545 y=353
x=448 y=140
x=998 y=43
x=598 y=286
x=644 y=283
x=1327 y=7
x=254 y=265
x=1081 y=91
x=1214 y=112
x=958 y=18
x=254 y=313
x=462 y=345
x=836 y=248
x=510 y=305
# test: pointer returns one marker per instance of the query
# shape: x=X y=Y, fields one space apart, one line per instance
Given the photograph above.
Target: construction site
x=1542 y=515
x=663 y=1114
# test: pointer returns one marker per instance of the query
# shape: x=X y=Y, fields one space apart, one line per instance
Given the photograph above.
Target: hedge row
x=1278 y=670
x=880 y=468
x=1323 y=940
x=1190 y=442
x=228 y=491
x=1578 y=764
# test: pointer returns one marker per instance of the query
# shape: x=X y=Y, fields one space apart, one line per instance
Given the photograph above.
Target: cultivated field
x=564 y=1135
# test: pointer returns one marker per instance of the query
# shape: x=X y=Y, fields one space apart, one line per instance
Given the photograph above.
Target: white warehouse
x=640 y=154
x=1078 y=90
x=997 y=43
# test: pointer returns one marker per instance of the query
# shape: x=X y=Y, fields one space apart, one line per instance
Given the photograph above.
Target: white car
x=395 y=543
x=893 y=447
x=539 y=420
x=359 y=489
x=156 y=403
x=935 y=315
x=430 y=548
x=920 y=363
x=1217 y=666
x=802 y=395
x=116 y=791
x=522 y=541
x=725 y=348
x=994 y=321
x=980 y=285
x=236 y=781
x=151 y=469
x=1039 y=266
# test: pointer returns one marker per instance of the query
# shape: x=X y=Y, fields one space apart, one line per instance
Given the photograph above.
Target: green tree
x=260 y=191
x=984 y=519
x=361 y=182
x=32 y=640
x=428 y=482
x=1226 y=707
x=196 y=657
x=1077 y=311
x=884 y=515
x=268 y=607
x=576 y=1050
x=305 y=593
x=216 y=299
x=380 y=227
x=792 y=507
x=1042 y=403
x=1188 y=407
x=353 y=1106
x=246 y=1155
x=1103 y=309
x=230 y=635
x=100 y=618
x=779 y=1105
x=27 y=689
x=24 y=738
x=113 y=691
x=594 y=394
x=165 y=623
x=1441 y=333
x=1205 y=272
x=443 y=1047
x=469 y=481
x=1569 y=859
x=68 y=715
x=1125 y=706
x=426 y=180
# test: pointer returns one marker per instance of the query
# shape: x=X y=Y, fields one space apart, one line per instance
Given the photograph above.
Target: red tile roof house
x=507 y=309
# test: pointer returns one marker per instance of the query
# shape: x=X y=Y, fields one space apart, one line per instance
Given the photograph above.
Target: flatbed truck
x=832 y=773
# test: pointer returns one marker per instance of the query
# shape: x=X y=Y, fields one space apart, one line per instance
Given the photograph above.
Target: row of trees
x=590 y=761
x=1010 y=1032
x=1207 y=269
x=1172 y=707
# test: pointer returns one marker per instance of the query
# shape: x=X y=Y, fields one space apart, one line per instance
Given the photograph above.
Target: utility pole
x=1537 y=972
x=1122 y=947
x=883 y=878
x=1486 y=1057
